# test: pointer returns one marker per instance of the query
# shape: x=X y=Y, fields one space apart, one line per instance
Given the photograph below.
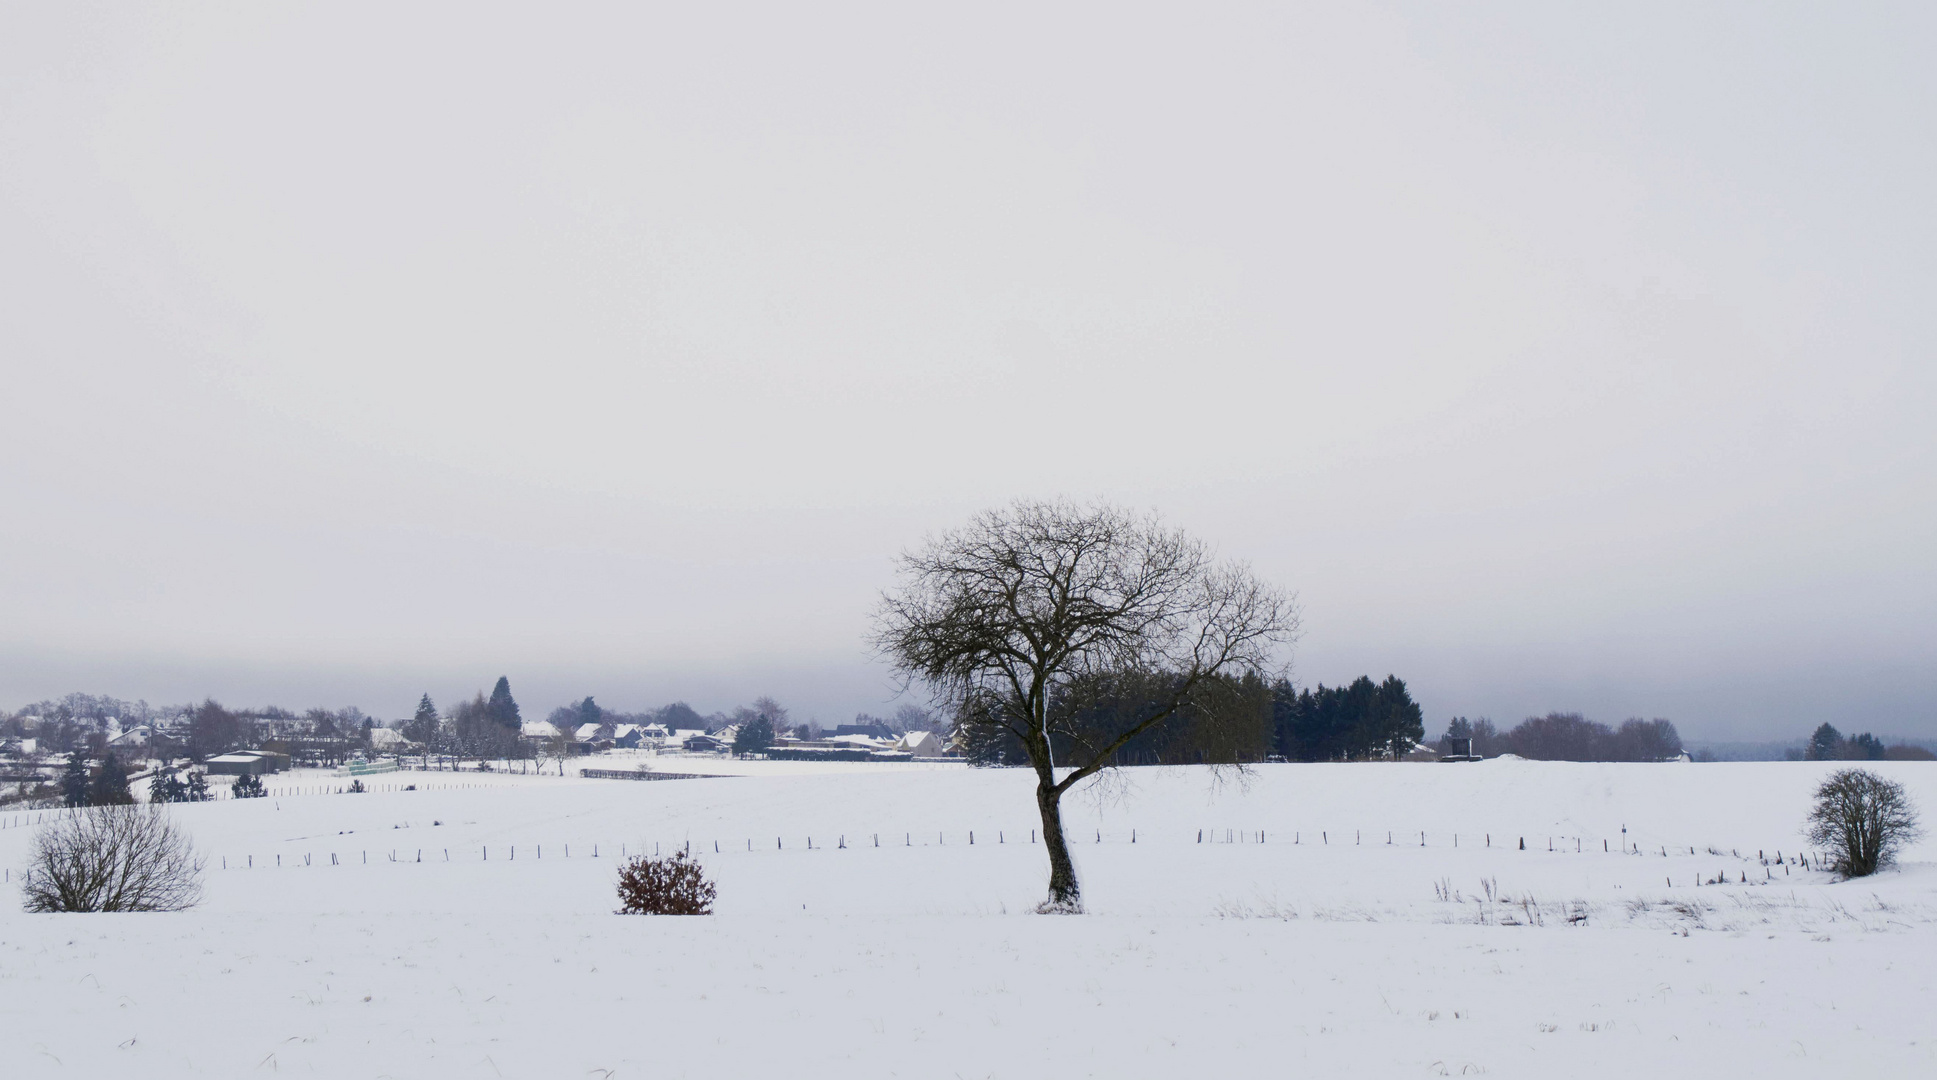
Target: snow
x=1234 y=956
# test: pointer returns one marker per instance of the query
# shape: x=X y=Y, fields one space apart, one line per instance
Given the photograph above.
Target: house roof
x=865 y=741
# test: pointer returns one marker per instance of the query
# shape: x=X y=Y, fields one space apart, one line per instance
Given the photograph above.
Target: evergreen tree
x=422 y=728
x=1360 y=720
x=74 y=780
x=1826 y=744
x=197 y=789
x=589 y=712
x=1400 y=723
x=110 y=784
x=248 y=787
x=1864 y=747
x=164 y=788
x=754 y=736
x=501 y=708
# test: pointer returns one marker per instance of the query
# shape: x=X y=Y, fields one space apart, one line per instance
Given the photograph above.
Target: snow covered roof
x=865 y=741
x=384 y=737
x=586 y=731
x=538 y=729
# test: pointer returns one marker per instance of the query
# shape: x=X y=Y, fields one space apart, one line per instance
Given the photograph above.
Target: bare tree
x=113 y=858
x=1863 y=818
x=1015 y=619
x=912 y=717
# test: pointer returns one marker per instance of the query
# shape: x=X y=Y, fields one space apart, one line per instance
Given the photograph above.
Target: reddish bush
x=668 y=886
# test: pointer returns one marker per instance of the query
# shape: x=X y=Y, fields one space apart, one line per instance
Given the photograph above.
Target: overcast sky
x=1559 y=357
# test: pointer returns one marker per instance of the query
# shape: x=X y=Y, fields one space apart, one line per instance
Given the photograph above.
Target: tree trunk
x=1065 y=895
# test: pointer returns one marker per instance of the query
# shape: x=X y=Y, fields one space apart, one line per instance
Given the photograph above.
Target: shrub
x=247 y=787
x=1863 y=819
x=356 y=787
x=669 y=886
x=113 y=858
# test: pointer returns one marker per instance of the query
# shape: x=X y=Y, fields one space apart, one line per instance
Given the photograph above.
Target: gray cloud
x=1559 y=359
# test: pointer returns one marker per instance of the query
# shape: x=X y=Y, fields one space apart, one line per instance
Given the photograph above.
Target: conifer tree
x=74 y=780
x=110 y=784
x=754 y=736
x=502 y=708
x=1826 y=744
x=422 y=727
x=197 y=788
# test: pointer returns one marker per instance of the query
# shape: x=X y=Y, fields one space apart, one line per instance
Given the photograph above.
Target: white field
x=1331 y=955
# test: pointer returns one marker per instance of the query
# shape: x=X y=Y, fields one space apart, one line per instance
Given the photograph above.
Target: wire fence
x=1770 y=862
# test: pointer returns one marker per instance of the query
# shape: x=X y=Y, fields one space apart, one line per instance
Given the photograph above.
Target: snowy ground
x=1293 y=938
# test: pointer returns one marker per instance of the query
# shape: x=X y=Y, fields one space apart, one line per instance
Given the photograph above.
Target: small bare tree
x=113 y=858
x=1863 y=818
x=1025 y=618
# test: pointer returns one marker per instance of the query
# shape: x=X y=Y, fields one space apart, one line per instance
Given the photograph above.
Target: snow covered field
x=466 y=931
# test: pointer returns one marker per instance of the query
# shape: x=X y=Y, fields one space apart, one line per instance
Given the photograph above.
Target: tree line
x=1568 y=737
x=1828 y=744
x=1225 y=719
